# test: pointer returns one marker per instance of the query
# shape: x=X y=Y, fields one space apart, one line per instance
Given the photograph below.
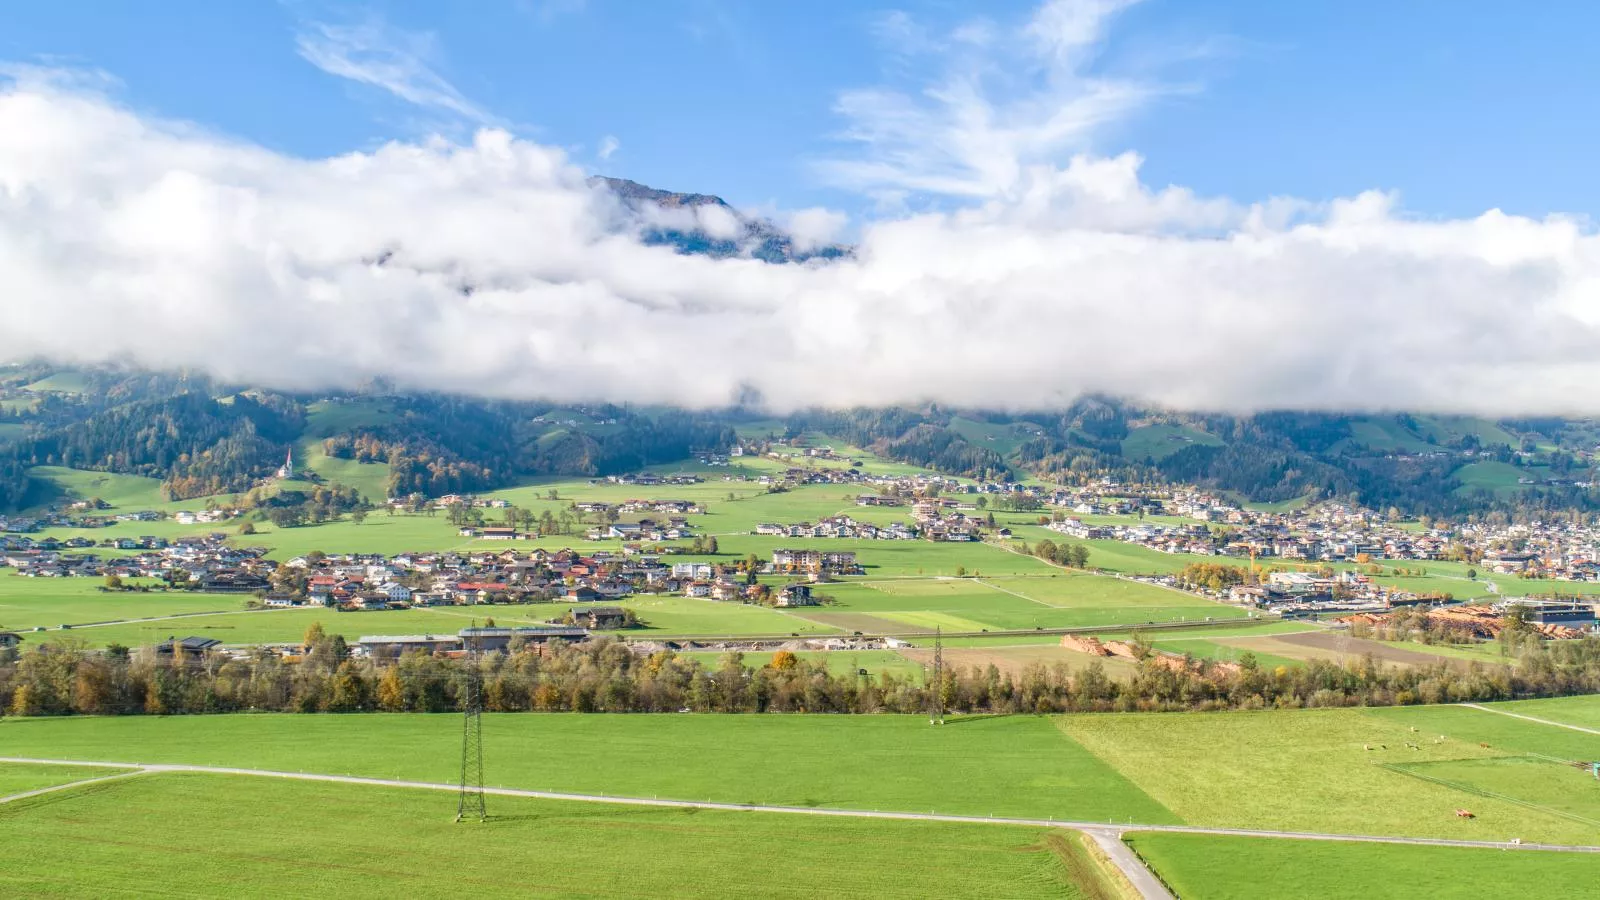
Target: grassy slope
x=1496 y=476
x=64 y=382
x=236 y=836
x=123 y=492
x=1234 y=867
x=324 y=419
x=1160 y=441
x=1022 y=766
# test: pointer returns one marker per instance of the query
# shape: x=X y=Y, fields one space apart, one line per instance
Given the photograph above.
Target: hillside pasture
x=1158 y=442
x=125 y=493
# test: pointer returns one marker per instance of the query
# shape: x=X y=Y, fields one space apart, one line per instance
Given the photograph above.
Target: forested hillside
x=202 y=438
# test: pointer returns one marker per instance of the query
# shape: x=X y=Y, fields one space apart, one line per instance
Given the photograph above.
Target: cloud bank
x=492 y=267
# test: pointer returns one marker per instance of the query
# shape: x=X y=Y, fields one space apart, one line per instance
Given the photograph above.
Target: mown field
x=29 y=602
x=187 y=834
x=1268 y=770
x=1304 y=770
x=17 y=778
x=1309 y=770
x=1016 y=766
x=1224 y=868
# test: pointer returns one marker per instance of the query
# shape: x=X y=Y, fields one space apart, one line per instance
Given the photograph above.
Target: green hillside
x=1160 y=441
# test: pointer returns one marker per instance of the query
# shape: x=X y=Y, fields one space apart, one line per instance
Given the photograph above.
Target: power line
x=936 y=714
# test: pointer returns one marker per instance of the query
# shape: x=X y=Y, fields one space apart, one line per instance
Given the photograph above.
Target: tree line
x=606 y=676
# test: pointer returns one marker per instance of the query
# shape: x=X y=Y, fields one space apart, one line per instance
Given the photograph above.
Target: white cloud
x=996 y=107
x=814 y=227
x=128 y=238
x=397 y=61
x=609 y=145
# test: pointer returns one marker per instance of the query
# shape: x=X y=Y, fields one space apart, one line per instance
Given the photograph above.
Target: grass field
x=123 y=492
x=64 y=382
x=50 y=602
x=1161 y=441
x=211 y=835
x=17 y=778
x=1018 y=766
x=663 y=616
x=1307 y=770
x=1203 y=648
x=1384 y=435
x=1504 y=734
x=1583 y=712
x=1059 y=600
x=1221 y=868
x=1540 y=782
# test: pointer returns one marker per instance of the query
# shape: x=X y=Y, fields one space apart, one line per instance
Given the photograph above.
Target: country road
x=1107 y=835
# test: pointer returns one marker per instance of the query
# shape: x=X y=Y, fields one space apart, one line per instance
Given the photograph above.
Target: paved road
x=1133 y=868
x=1107 y=835
x=1501 y=712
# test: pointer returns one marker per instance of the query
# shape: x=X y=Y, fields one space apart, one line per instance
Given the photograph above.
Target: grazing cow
x=1483 y=745
x=1465 y=814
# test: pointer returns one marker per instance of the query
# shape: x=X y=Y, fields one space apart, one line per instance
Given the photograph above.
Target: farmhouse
x=795 y=595
x=599 y=617
x=9 y=640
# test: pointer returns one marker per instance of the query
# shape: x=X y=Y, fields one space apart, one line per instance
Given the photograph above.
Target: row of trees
x=1063 y=554
x=605 y=676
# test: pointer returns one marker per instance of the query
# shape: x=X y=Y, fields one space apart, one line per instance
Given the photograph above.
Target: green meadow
x=1161 y=441
x=26 y=603
x=1308 y=770
x=1007 y=766
x=1303 y=770
x=1218 y=867
x=187 y=834
x=18 y=778
x=1583 y=712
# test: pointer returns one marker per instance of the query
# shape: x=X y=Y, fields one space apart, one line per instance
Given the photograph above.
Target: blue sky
x=1460 y=107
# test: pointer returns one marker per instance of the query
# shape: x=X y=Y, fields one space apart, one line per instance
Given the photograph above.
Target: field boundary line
x=996 y=587
x=1113 y=828
x=131 y=772
x=1401 y=769
x=1501 y=712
